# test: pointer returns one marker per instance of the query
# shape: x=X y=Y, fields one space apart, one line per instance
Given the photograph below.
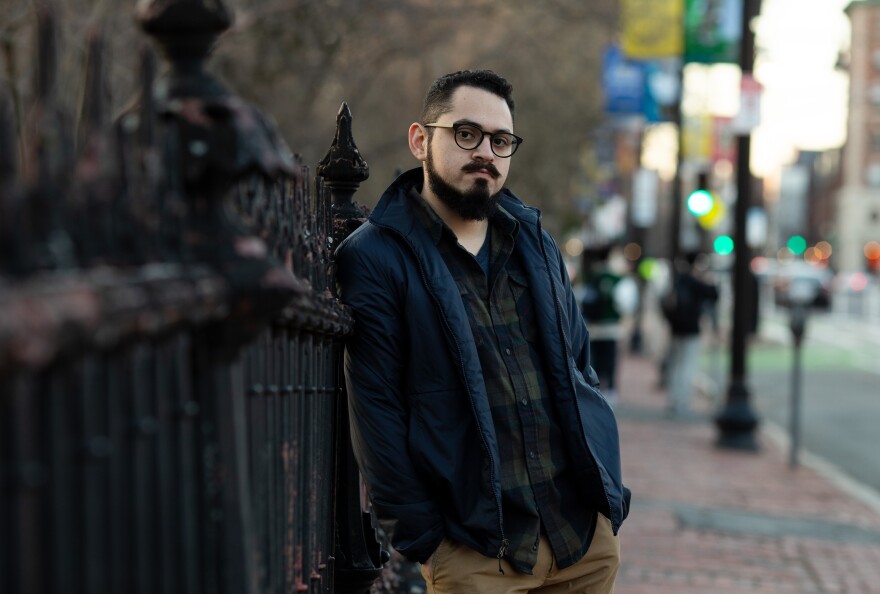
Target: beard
x=475 y=204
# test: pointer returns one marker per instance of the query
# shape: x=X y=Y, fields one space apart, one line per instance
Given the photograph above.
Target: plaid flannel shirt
x=538 y=494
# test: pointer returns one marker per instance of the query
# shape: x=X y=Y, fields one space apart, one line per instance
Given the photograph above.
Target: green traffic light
x=700 y=202
x=797 y=244
x=648 y=268
x=723 y=245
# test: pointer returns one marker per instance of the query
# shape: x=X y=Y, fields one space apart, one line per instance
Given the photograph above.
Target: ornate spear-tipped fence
x=171 y=415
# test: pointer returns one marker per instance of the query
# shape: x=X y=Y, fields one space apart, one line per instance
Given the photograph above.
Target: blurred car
x=801 y=283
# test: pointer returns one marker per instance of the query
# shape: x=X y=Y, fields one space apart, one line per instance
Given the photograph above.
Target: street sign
x=749 y=116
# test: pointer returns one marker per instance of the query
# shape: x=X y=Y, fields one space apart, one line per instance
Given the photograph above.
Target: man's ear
x=418 y=141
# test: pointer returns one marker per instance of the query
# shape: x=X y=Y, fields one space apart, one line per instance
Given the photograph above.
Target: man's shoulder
x=370 y=254
x=367 y=239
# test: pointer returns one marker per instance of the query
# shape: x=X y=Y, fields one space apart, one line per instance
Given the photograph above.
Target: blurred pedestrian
x=489 y=454
x=610 y=294
x=683 y=306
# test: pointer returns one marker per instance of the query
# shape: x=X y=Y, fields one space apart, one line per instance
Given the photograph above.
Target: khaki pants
x=457 y=569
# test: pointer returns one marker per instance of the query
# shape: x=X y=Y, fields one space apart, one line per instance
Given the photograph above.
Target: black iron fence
x=171 y=416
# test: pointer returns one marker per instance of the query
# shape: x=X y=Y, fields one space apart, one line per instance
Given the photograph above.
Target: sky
x=804 y=100
x=804 y=104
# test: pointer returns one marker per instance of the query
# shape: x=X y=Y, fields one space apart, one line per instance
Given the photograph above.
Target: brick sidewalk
x=710 y=521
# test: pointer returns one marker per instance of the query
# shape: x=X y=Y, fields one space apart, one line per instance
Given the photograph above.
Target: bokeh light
x=574 y=247
x=632 y=252
x=824 y=248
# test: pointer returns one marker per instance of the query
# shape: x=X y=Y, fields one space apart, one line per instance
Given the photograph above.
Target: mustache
x=477 y=166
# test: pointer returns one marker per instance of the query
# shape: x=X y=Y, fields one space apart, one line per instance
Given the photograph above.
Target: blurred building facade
x=858 y=221
x=808 y=197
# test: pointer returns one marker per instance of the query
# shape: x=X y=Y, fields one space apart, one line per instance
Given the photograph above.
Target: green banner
x=712 y=31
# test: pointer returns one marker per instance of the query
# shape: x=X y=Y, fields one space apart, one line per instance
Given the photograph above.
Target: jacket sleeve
x=379 y=415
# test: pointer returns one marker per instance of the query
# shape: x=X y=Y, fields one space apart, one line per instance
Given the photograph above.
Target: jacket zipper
x=565 y=342
x=502 y=550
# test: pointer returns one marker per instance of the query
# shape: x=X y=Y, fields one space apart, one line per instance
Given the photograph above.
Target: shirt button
x=506 y=351
x=525 y=401
x=532 y=455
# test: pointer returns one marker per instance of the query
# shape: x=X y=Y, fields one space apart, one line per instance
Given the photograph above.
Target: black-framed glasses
x=469 y=137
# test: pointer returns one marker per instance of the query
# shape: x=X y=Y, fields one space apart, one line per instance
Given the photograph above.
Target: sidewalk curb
x=707 y=388
x=830 y=471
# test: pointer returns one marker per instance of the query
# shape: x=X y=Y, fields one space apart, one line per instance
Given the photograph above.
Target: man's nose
x=484 y=149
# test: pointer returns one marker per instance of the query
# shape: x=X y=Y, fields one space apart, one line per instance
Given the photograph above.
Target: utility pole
x=737 y=420
x=678 y=120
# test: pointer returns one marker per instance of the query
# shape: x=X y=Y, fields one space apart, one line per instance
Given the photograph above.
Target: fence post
x=359 y=557
x=217 y=141
x=343 y=169
x=11 y=242
x=47 y=165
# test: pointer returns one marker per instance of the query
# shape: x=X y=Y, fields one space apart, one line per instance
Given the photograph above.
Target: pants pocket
x=436 y=560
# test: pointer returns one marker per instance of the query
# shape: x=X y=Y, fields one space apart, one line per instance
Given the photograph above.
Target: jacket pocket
x=590 y=377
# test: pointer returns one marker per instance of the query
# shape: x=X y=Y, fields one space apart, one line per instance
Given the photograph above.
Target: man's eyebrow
x=476 y=125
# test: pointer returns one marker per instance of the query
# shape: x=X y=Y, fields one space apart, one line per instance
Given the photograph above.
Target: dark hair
x=439 y=98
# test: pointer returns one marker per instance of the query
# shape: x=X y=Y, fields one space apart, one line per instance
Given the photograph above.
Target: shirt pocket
x=525 y=310
x=471 y=303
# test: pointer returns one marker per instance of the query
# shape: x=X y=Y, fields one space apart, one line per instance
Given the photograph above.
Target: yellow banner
x=697 y=137
x=652 y=28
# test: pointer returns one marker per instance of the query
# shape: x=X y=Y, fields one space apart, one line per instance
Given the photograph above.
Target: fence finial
x=343 y=162
x=186 y=29
x=343 y=170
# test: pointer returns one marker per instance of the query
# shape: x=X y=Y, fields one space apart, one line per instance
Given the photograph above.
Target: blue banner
x=623 y=81
x=662 y=89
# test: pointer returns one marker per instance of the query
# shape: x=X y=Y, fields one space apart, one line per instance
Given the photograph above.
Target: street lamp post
x=737 y=420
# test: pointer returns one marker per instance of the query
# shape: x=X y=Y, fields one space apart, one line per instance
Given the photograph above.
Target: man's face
x=468 y=181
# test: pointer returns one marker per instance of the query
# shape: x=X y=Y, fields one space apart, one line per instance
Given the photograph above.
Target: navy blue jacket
x=420 y=420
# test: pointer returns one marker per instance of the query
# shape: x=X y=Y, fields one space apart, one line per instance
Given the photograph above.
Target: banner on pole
x=652 y=28
x=662 y=89
x=723 y=139
x=623 y=82
x=712 y=31
x=697 y=138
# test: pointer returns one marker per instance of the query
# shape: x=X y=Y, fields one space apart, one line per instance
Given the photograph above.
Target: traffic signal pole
x=675 y=227
x=737 y=420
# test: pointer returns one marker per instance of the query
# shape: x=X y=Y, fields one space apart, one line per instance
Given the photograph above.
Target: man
x=610 y=294
x=488 y=451
x=683 y=307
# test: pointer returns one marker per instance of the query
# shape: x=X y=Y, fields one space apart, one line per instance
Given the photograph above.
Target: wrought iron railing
x=171 y=415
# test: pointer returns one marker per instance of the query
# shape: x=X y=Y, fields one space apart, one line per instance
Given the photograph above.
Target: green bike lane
x=839 y=393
